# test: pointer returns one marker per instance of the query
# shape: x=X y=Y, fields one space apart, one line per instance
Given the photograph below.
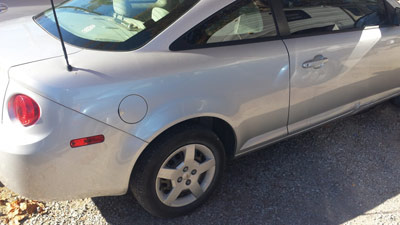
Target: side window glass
x=243 y=20
x=316 y=16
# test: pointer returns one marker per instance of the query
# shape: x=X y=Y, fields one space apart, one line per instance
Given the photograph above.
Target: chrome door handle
x=316 y=63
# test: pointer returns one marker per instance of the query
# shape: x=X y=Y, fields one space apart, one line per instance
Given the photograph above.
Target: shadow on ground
x=327 y=176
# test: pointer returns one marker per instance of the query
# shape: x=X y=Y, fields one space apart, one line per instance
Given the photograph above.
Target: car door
x=242 y=55
x=338 y=57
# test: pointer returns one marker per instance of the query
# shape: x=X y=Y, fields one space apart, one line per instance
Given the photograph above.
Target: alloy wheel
x=185 y=175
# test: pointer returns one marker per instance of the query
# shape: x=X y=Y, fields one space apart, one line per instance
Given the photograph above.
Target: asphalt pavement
x=347 y=171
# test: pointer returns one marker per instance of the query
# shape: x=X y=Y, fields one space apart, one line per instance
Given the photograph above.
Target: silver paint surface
x=260 y=89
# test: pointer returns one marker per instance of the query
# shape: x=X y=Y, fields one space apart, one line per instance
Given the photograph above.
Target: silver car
x=158 y=94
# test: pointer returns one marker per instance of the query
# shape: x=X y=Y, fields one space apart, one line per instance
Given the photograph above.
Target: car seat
x=131 y=8
x=158 y=13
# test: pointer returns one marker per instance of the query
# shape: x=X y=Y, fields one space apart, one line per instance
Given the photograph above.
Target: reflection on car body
x=3 y=7
x=162 y=92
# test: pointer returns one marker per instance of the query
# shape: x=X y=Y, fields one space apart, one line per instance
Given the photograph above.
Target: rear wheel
x=178 y=172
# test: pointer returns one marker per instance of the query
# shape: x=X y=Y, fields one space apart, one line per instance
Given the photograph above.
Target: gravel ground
x=346 y=172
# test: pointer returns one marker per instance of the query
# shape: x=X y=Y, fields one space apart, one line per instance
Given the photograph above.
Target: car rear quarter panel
x=244 y=85
x=3 y=87
x=247 y=86
x=37 y=162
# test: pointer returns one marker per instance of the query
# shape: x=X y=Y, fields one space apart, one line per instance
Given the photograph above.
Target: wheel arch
x=220 y=127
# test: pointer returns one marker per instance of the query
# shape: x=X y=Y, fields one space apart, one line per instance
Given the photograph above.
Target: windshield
x=114 y=25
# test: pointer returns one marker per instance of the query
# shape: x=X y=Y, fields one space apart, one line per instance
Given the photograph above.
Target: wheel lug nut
x=185 y=169
x=188 y=182
x=194 y=172
x=180 y=179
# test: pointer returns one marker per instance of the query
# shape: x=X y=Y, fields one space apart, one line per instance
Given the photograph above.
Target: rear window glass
x=114 y=25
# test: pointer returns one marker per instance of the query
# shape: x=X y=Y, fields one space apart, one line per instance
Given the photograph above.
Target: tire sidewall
x=163 y=150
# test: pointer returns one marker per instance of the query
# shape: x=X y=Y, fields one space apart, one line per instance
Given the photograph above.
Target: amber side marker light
x=87 y=141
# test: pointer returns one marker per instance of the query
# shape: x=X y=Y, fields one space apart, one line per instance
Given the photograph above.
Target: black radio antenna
x=69 y=67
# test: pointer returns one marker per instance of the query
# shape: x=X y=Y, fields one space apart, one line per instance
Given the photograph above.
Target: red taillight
x=87 y=141
x=26 y=110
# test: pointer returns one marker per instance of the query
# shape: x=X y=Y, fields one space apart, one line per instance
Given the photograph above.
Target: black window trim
x=177 y=45
x=282 y=28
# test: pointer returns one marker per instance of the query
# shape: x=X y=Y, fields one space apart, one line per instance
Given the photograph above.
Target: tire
x=173 y=166
x=395 y=101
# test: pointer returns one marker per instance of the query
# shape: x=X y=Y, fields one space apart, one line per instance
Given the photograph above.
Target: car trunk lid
x=22 y=41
